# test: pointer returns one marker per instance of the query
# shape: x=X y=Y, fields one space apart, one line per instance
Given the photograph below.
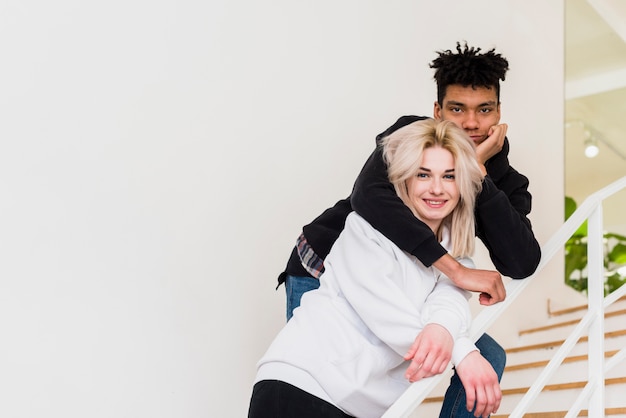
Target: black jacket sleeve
x=501 y=210
x=375 y=199
x=501 y=218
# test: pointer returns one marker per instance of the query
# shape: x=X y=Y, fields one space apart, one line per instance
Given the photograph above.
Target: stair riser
x=581 y=348
x=559 y=400
x=547 y=401
x=568 y=372
x=611 y=324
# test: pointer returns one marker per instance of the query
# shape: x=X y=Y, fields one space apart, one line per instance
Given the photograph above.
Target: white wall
x=159 y=159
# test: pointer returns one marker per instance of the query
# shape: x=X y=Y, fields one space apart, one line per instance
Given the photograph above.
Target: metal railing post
x=595 y=293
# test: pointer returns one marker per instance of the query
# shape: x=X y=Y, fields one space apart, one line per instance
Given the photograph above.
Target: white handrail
x=418 y=391
x=595 y=307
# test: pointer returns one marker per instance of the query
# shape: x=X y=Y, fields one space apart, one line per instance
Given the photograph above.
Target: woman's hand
x=430 y=353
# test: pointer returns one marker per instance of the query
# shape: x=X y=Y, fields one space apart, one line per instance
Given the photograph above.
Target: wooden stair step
x=611 y=334
x=561 y=414
x=567 y=323
x=557 y=386
x=573 y=309
x=563 y=386
x=544 y=363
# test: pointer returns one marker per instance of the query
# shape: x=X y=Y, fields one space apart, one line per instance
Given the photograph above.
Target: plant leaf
x=575 y=258
x=618 y=254
x=614 y=282
x=570 y=207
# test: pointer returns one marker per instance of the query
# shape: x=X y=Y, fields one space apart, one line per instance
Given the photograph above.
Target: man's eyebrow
x=461 y=104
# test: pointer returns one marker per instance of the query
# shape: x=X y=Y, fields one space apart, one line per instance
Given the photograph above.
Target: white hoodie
x=346 y=341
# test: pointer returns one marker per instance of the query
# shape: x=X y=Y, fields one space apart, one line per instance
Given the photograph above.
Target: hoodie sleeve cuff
x=462 y=347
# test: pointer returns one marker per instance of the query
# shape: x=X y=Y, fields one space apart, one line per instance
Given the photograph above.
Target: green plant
x=576 y=256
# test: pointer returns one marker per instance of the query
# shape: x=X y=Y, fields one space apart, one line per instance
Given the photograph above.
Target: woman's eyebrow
x=449 y=170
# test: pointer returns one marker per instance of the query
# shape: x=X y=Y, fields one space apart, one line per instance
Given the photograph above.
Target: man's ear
x=437 y=111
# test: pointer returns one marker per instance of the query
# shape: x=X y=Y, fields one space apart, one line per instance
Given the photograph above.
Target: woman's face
x=433 y=190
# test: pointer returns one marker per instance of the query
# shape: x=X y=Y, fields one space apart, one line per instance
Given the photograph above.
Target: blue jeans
x=295 y=288
x=454 y=399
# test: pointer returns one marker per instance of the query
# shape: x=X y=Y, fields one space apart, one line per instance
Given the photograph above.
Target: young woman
x=381 y=319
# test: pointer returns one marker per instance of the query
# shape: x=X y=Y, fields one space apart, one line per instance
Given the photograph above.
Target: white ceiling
x=595 y=90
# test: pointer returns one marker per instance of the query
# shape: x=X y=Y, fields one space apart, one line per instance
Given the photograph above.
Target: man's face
x=475 y=110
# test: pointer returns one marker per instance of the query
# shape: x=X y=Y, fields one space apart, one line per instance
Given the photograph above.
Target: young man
x=468 y=94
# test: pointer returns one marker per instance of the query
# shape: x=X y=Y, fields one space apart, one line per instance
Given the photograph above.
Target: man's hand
x=486 y=282
x=430 y=353
x=493 y=144
x=481 y=384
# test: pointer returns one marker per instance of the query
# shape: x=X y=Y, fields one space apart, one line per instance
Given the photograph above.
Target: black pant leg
x=276 y=399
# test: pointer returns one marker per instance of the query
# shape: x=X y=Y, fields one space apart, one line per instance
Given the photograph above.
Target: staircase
x=535 y=348
x=602 y=392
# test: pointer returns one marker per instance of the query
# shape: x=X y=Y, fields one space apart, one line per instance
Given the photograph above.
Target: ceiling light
x=591 y=147
x=591 y=138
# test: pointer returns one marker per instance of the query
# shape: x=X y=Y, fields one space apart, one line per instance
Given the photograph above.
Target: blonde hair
x=403 y=151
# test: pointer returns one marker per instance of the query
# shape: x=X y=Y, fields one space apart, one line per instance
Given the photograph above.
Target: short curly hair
x=468 y=67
